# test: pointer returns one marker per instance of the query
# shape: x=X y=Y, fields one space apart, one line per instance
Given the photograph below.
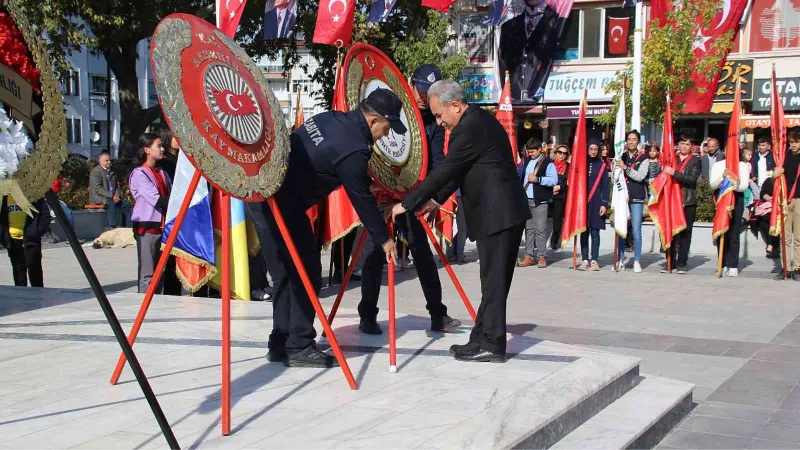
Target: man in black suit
x=279 y=20
x=710 y=157
x=480 y=162
x=528 y=43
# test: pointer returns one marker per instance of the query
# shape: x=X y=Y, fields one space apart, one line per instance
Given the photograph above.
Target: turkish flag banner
x=775 y=25
x=575 y=212
x=439 y=5
x=230 y=14
x=724 y=195
x=726 y=20
x=505 y=115
x=618 y=35
x=779 y=194
x=335 y=22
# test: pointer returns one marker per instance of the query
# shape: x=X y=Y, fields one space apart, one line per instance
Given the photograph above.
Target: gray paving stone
x=769 y=370
x=792 y=401
x=786 y=417
x=730 y=411
x=697 y=440
x=719 y=425
x=763 y=444
x=751 y=398
x=782 y=433
x=778 y=353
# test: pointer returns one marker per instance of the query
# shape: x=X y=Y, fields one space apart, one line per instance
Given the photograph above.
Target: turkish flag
x=725 y=20
x=725 y=200
x=666 y=205
x=775 y=25
x=779 y=195
x=439 y=5
x=335 y=22
x=618 y=35
x=575 y=215
x=230 y=14
x=505 y=115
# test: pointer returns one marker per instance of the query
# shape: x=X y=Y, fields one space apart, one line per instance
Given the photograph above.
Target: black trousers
x=683 y=240
x=498 y=254
x=372 y=272
x=258 y=271
x=763 y=228
x=26 y=263
x=559 y=206
x=293 y=313
x=337 y=253
x=730 y=254
x=172 y=284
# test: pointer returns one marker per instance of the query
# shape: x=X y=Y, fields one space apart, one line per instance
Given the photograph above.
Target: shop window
x=592 y=22
x=569 y=46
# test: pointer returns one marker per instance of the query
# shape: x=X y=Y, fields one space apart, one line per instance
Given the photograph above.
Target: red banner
x=666 y=203
x=779 y=151
x=577 y=195
x=726 y=20
x=230 y=14
x=335 y=22
x=775 y=25
x=505 y=115
x=447 y=212
x=618 y=35
x=439 y=5
x=725 y=200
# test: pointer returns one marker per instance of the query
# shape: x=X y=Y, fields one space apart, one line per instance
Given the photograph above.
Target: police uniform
x=427 y=270
x=332 y=149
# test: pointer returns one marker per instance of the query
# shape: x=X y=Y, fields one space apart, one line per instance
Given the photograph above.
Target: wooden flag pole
x=668 y=251
x=721 y=252
x=616 y=249
x=783 y=226
x=575 y=253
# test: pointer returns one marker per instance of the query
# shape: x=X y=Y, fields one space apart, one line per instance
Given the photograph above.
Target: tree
x=668 y=60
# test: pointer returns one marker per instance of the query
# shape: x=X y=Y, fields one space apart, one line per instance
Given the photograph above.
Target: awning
x=766 y=122
x=721 y=108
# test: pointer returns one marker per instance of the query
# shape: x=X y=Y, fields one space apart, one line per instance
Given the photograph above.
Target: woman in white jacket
x=730 y=255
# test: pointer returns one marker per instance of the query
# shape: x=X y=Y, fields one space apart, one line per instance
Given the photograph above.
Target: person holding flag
x=686 y=172
x=722 y=179
x=597 y=207
x=636 y=167
x=791 y=222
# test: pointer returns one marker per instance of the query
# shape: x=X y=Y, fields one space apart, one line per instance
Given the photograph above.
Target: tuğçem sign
x=569 y=86
x=788 y=89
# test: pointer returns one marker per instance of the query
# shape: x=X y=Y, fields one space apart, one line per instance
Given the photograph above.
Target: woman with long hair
x=597 y=201
x=150 y=186
x=560 y=156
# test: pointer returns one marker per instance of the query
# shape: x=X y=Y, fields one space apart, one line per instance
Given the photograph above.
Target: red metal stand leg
x=347 y=276
x=449 y=268
x=312 y=293
x=392 y=329
x=162 y=263
x=226 y=313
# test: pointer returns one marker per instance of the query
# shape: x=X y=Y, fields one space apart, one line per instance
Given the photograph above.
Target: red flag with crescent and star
x=575 y=212
x=505 y=115
x=727 y=19
x=724 y=198
x=618 y=35
x=230 y=14
x=335 y=22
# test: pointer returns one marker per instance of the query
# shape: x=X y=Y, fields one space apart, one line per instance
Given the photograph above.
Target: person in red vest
x=686 y=173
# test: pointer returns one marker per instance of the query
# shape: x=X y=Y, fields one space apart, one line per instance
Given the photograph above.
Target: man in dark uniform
x=330 y=150
x=428 y=273
x=528 y=43
x=480 y=162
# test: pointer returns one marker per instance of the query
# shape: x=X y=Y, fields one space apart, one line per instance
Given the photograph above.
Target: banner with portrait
x=280 y=17
x=475 y=38
x=775 y=25
x=526 y=45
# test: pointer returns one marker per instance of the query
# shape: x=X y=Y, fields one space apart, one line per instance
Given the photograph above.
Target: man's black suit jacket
x=480 y=162
x=529 y=57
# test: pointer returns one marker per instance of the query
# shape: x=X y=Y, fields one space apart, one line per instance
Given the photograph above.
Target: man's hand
x=621 y=165
x=778 y=172
x=387 y=213
x=556 y=189
x=116 y=198
x=431 y=205
x=669 y=171
x=532 y=177
x=397 y=210
x=603 y=210
x=391 y=251
x=431 y=217
x=726 y=173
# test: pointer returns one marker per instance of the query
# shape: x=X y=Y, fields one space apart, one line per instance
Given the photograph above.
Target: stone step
x=638 y=419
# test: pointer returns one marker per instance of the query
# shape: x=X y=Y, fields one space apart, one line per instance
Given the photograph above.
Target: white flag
x=619 y=197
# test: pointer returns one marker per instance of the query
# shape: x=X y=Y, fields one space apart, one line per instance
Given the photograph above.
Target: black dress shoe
x=370 y=326
x=444 y=323
x=795 y=275
x=469 y=346
x=480 y=355
x=276 y=355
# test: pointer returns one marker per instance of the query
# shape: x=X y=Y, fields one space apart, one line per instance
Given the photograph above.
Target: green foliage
x=705 y=202
x=668 y=60
x=429 y=49
x=75 y=179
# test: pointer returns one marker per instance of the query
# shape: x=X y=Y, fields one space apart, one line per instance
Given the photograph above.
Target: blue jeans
x=111 y=208
x=637 y=210
x=595 y=244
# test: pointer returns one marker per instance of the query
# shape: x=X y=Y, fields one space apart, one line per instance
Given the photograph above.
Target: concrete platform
x=57 y=353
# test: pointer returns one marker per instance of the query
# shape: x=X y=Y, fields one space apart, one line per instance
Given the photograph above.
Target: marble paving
x=57 y=353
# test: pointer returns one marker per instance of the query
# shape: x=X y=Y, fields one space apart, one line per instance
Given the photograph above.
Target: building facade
x=594 y=47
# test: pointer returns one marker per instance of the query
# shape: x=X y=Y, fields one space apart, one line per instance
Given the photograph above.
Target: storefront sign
x=765 y=122
x=478 y=87
x=571 y=112
x=733 y=71
x=569 y=87
x=788 y=89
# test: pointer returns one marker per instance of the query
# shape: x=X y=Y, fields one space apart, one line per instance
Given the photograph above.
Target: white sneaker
x=620 y=266
x=733 y=273
x=584 y=266
x=725 y=271
x=637 y=267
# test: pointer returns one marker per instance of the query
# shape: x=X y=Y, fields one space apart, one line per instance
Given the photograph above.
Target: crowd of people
x=544 y=174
